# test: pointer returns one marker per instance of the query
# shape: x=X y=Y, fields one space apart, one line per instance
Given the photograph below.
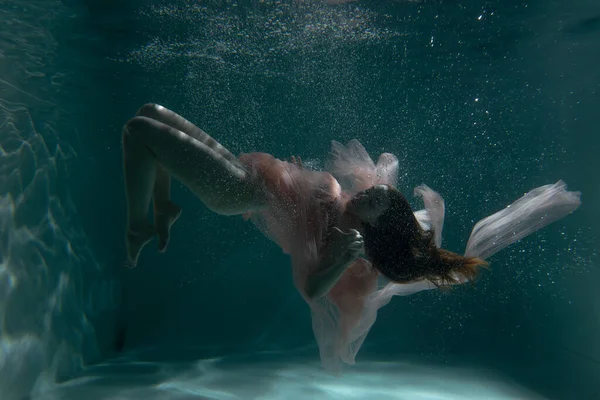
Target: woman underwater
x=353 y=239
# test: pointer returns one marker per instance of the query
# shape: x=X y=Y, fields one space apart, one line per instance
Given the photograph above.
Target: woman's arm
x=343 y=249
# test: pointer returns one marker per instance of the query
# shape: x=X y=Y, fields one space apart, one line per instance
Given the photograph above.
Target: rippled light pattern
x=50 y=282
x=267 y=377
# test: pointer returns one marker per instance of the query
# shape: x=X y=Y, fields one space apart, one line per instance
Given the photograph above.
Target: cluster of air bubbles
x=254 y=40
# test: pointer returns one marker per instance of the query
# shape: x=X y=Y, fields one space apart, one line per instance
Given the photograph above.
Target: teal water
x=481 y=100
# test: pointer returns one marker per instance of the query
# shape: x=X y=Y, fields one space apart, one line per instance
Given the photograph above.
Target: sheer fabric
x=301 y=206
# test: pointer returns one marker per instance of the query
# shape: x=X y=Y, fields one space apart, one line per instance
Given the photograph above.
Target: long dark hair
x=403 y=252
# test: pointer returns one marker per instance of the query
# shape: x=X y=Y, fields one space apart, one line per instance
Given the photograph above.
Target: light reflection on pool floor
x=268 y=377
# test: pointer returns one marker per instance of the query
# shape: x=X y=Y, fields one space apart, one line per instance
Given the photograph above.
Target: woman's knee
x=148 y=110
x=134 y=127
x=143 y=130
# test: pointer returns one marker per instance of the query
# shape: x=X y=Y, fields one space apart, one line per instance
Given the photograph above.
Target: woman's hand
x=341 y=252
x=345 y=246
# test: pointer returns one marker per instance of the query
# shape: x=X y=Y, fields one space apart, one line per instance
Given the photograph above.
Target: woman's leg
x=165 y=211
x=157 y=144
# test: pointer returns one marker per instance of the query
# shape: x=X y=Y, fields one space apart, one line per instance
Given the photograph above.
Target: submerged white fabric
x=298 y=214
x=434 y=211
x=536 y=209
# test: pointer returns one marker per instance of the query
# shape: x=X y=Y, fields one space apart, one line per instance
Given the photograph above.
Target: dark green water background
x=481 y=100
